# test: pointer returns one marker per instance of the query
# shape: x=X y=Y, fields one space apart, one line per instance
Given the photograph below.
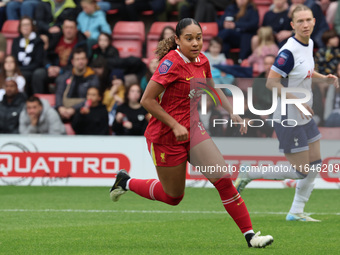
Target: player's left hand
x=237 y=119
x=332 y=79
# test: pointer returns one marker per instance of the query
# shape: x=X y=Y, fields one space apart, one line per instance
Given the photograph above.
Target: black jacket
x=44 y=17
x=96 y=122
x=9 y=114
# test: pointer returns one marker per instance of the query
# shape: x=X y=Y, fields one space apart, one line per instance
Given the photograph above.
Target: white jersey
x=295 y=61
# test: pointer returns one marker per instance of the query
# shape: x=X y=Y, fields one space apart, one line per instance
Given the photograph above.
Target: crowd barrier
x=42 y=160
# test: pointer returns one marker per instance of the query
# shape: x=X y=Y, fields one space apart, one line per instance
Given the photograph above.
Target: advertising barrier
x=94 y=160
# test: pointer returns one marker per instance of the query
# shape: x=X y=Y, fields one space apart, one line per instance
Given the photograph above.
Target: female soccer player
x=301 y=144
x=171 y=138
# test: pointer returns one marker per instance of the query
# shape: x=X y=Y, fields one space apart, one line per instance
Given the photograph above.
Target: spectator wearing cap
x=38 y=117
x=10 y=108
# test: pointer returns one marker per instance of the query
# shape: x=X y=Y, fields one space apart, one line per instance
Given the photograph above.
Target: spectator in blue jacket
x=92 y=21
x=237 y=26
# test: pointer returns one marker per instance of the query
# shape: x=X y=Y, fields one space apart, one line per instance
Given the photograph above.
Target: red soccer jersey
x=175 y=72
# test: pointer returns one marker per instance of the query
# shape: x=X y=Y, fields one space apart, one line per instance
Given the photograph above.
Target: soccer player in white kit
x=301 y=142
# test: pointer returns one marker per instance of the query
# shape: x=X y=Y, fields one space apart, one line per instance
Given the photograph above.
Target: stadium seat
x=112 y=12
x=48 y=97
x=154 y=34
x=262 y=9
x=134 y=30
x=69 y=129
x=129 y=48
x=210 y=30
x=10 y=31
x=330 y=133
x=128 y=38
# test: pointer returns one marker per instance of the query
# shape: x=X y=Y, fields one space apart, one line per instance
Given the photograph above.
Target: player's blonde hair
x=266 y=36
x=300 y=7
x=169 y=44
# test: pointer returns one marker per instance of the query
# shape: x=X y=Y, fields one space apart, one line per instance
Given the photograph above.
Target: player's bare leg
x=304 y=187
x=168 y=189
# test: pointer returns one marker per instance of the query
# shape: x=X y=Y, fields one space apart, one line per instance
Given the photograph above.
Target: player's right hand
x=180 y=132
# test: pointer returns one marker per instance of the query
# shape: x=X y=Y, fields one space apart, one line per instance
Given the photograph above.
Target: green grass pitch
x=83 y=220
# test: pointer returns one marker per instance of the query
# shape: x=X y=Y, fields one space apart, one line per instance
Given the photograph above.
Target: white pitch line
x=147 y=211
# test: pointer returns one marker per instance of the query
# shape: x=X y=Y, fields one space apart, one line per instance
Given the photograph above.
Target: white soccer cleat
x=116 y=193
x=119 y=187
x=258 y=241
x=300 y=217
x=242 y=181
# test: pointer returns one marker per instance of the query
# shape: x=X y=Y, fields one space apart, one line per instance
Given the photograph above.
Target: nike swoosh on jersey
x=188 y=79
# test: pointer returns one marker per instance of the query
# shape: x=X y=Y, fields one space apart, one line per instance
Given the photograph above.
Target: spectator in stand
x=17 y=9
x=50 y=15
x=10 y=69
x=171 y=6
x=10 y=108
x=167 y=32
x=114 y=94
x=130 y=9
x=237 y=26
x=332 y=105
x=337 y=20
x=104 y=5
x=266 y=46
x=105 y=49
x=277 y=18
x=100 y=68
x=73 y=84
x=3 y=17
x=92 y=21
x=57 y=57
x=28 y=50
x=327 y=58
x=131 y=117
x=261 y=95
x=216 y=57
x=320 y=21
x=152 y=66
x=92 y=118
x=3 y=47
x=131 y=65
x=38 y=117
x=329 y=8
x=206 y=10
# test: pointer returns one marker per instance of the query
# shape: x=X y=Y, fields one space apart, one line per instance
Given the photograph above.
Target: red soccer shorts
x=173 y=155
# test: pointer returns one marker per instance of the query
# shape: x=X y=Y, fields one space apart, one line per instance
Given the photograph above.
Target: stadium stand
x=10 y=31
x=330 y=133
x=128 y=38
x=69 y=129
x=48 y=97
x=154 y=34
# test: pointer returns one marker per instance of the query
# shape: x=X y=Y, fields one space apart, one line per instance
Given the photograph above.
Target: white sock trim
x=249 y=232
x=127 y=184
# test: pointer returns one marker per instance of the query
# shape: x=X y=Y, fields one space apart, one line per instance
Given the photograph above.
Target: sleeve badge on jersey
x=165 y=66
x=282 y=59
